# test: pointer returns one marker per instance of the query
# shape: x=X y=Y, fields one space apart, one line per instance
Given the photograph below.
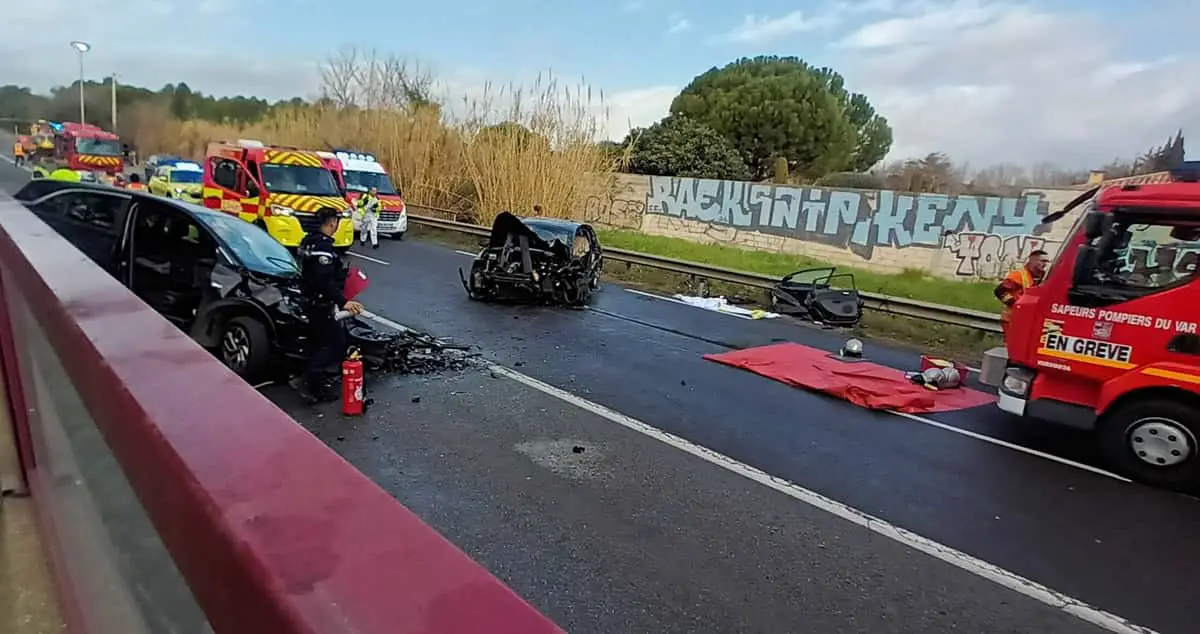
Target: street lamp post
x=113 y=85
x=81 y=48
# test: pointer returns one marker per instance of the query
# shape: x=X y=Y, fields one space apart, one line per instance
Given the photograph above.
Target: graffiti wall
x=618 y=202
x=954 y=236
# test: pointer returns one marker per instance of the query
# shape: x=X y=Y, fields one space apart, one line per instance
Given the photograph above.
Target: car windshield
x=551 y=232
x=301 y=180
x=362 y=181
x=98 y=147
x=186 y=177
x=250 y=246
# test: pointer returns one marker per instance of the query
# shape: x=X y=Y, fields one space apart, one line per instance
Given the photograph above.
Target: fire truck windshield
x=98 y=147
x=300 y=180
x=362 y=181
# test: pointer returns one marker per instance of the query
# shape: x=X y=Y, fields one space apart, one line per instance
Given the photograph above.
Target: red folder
x=356 y=282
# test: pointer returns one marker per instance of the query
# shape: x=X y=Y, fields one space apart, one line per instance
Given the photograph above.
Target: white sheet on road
x=721 y=305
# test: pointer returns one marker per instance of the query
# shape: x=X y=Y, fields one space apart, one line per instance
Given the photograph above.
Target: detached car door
x=92 y=220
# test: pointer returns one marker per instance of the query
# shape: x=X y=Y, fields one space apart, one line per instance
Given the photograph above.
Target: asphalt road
x=643 y=532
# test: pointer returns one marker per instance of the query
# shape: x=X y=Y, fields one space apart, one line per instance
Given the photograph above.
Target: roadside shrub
x=539 y=147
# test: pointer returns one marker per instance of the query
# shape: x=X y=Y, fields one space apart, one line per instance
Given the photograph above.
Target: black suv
x=224 y=281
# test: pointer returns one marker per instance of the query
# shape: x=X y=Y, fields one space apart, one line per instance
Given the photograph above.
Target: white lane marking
x=13 y=162
x=673 y=300
x=368 y=258
x=970 y=434
x=683 y=303
x=470 y=255
x=941 y=552
x=263 y=384
x=1009 y=445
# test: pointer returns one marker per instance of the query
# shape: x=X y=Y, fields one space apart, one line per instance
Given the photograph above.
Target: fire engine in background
x=42 y=136
x=83 y=148
x=1109 y=341
x=363 y=171
x=279 y=188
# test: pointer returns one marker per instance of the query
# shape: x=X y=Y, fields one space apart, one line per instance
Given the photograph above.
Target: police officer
x=322 y=280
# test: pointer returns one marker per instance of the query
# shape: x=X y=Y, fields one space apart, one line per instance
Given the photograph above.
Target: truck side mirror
x=1097 y=225
x=252 y=190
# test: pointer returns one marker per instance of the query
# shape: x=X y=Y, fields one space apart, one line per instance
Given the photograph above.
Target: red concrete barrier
x=271 y=530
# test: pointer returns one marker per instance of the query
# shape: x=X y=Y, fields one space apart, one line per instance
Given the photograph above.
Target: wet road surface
x=635 y=535
x=1083 y=534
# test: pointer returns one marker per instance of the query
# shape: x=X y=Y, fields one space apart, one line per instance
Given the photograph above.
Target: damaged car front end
x=254 y=315
x=539 y=260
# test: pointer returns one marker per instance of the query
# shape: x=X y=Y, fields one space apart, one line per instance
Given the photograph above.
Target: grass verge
x=911 y=284
x=965 y=344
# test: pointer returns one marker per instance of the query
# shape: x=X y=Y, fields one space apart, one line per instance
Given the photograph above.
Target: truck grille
x=389 y=216
x=308 y=222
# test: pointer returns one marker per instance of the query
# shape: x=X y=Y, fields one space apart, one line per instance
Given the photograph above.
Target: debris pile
x=406 y=351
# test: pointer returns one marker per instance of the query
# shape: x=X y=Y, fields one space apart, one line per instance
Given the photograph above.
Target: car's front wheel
x=245 y=347
x=399 y=235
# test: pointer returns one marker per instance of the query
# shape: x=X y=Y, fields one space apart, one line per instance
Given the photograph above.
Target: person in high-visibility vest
x=369 y=208
x=18 y=153
x=135 y=182
x=1014 y=285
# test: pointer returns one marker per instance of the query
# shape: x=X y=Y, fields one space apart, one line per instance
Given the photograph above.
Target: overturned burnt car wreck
x=540 y=260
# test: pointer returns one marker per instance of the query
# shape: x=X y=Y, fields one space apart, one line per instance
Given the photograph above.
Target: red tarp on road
x=863 y=383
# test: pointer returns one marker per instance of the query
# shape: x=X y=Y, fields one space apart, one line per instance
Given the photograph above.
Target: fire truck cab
x=278 y=188
x=85 y=148
x=1109 y=342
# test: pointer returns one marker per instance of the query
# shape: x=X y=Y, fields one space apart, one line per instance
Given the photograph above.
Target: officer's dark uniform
x=322 y=280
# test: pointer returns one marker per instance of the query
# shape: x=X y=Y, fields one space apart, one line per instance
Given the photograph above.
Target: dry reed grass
x=455 y=157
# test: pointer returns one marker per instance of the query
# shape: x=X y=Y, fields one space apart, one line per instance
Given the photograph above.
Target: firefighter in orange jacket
x=19 y=153
x=1014 y=284
x=135 y=182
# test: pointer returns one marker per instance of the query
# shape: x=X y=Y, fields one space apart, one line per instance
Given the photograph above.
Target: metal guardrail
x=916 y=309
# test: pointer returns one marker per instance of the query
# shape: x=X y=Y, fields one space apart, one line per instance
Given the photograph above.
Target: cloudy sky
x=1065 y=81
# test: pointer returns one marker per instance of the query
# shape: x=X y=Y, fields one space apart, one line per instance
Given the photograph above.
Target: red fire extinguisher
x=352 y=385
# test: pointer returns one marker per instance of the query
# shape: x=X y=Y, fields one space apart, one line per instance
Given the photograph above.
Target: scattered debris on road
x=408 y=351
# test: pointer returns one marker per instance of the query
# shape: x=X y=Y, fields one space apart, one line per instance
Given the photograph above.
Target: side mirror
x=252 y=190
x=1097 y=225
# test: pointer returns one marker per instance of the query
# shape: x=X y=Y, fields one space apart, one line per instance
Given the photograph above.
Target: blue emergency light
x=1187 y=172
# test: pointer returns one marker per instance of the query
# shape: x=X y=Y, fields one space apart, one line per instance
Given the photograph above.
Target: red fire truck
x=1109 y=341
x=86 y=147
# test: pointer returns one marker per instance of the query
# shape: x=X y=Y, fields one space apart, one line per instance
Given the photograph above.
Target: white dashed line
x=683 y=303
x=958 y=430
x=368 y=258
x=941 y=552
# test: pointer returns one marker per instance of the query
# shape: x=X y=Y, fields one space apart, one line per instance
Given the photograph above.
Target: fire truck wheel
x=1155 y=442
x=245 y=347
